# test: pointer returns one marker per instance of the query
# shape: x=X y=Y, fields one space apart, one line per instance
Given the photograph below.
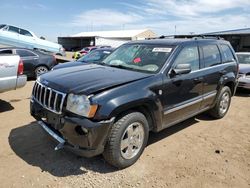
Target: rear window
x=25 y=53
x=227 y=53
x=2 y=26
x=211 y=55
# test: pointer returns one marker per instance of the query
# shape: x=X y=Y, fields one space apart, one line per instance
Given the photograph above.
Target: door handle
x=223 y=72
x=198 y=80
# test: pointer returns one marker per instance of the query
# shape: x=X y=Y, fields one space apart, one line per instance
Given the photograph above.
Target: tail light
x=20 y=68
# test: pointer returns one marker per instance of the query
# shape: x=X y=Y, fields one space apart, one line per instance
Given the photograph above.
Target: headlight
x=80 y=104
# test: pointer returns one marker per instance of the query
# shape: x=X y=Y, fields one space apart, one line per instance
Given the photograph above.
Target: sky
x=53 y=18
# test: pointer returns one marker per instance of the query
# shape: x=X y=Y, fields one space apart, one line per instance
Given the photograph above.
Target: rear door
x=213 y=70
x=30 y=60
x=27 y=38
x=182 y=94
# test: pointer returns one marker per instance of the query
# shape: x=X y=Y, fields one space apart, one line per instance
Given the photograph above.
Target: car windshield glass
x=147 y=58
x=244 y=58
x=2 y=26
x=94 y=56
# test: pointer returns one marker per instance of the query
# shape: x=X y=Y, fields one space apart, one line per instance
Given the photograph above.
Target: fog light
x=81 y=130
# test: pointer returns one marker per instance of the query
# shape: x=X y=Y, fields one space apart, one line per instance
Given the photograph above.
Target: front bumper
x=79 y=135
x=244 y=83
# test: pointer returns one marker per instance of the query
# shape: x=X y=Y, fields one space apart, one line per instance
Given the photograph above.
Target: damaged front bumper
x=79 y=135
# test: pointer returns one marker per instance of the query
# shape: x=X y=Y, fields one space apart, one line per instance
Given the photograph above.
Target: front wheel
x=222 y=104
x=127 y=140
x=40 y=70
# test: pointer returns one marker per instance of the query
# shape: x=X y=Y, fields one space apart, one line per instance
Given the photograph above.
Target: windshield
x=244 y=58
x=2 y=26
x=93 y=56
x=139 y=57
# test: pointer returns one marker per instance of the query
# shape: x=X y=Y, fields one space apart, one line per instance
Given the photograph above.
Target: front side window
x=227 y=53
x=148 y=58
x=25 y=53
x=211 y=55
x=26 y=33
x=189 y=55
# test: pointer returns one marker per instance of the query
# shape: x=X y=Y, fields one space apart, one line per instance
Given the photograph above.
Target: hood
x=244 y=68
x=68 y=64
x=89 y=79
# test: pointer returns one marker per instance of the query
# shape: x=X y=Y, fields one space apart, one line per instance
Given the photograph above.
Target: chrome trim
x=187 y=117
x=182 y=106
x=52 y=133
x=40 y=89
x=209 y=95
x=202 y=98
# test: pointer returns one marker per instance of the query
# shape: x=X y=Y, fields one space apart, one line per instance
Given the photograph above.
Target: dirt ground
x=199 y=152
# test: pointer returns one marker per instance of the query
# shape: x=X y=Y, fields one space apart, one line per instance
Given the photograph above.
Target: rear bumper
x=21 y=81
x=79 y=135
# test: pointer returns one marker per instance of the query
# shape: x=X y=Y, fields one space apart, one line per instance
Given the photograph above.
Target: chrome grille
x=49 y=98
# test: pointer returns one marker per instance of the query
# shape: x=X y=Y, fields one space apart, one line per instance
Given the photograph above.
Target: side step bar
x=53 y=134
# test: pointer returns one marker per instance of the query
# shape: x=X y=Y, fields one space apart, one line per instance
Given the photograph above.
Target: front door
x=182 y=93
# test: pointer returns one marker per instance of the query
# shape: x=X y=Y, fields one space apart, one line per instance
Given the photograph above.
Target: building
x=107 y=38
x=239 y=38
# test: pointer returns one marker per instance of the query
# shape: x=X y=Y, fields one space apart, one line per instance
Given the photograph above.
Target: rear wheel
x=222 y=104
x=127 y=140
x=40 y=70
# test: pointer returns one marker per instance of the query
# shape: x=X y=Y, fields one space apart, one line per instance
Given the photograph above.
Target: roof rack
x=207 y=37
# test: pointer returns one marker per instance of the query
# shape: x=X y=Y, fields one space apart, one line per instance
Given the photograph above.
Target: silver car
x=244 y=69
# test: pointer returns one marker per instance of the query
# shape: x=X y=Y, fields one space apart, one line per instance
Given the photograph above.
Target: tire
x=223 y=103
x=40 y=70
x=120 y=151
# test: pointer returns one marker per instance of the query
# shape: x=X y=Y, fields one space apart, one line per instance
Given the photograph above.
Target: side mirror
x=181 y=69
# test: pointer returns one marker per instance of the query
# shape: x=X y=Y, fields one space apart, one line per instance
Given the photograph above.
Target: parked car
x=35 y=62
x=244 y=69
x=143 y=86
x=18 y=37
x=95 y=56
x=11 y=72
x=86 y=50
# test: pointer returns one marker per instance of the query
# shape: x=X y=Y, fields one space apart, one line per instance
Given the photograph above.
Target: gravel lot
x=199 y=152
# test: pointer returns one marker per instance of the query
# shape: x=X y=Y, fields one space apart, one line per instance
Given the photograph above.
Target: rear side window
x=189 y=55
x=5 y=51
x=13 y=29
x=227 y=53
x=25 y=53
x=211 y=55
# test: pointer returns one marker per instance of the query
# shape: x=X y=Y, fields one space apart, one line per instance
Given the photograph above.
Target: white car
x=14 y=36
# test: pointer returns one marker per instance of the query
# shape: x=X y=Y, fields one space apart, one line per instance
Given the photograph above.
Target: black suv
x=143 y=86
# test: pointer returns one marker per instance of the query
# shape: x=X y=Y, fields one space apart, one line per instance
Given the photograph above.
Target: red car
x=86 y=50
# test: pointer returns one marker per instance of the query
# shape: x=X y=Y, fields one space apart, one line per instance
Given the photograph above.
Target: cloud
x=105 y=17
x=184 y=8
x=169 y=17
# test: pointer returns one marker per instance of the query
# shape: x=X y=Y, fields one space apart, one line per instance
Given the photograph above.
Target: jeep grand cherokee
x=143 y=86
